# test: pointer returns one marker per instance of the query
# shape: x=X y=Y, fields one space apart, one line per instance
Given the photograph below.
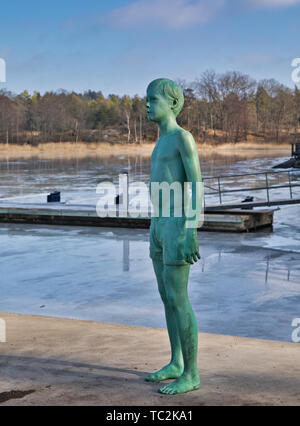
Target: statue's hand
x=191 y=248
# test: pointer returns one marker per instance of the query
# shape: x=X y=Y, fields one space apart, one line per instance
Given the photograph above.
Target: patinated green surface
x=173 y=245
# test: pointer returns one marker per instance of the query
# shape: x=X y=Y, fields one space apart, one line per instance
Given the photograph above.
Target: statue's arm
x=190 y=159
x=189 y=155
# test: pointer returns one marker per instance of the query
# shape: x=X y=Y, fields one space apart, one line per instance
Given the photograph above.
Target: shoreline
x=104 y=149
x=59 y=361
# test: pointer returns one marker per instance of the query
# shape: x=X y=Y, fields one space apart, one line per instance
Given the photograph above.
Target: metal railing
x=218 y=190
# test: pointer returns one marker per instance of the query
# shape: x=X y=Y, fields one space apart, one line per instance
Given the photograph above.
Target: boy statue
x=173 y=236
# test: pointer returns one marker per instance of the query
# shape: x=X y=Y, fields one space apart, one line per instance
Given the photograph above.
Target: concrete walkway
x=71 y=362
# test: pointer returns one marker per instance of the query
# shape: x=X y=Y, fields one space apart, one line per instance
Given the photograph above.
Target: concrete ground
x=72 y=362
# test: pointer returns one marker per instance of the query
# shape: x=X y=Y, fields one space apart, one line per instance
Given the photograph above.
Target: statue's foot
x=170 y=371
x=183 y=384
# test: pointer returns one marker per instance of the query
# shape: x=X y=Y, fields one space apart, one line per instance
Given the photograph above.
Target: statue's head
x=164 y=97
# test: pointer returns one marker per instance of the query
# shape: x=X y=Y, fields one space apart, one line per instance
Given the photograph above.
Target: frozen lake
x=244 y=284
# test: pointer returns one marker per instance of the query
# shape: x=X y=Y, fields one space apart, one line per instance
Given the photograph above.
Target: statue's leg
x=175 y=368
x=175 y=282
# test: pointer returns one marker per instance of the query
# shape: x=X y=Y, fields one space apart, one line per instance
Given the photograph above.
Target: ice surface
x=244 y=284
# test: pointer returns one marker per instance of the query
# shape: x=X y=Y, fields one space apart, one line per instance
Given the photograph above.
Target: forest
x=219 y=108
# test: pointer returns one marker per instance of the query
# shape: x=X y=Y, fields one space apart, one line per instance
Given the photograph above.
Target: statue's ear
x=174 y=103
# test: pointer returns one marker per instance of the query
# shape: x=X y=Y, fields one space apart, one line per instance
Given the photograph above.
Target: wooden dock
x=78 y=215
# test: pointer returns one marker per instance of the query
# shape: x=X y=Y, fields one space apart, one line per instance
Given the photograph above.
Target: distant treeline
x=228 y=107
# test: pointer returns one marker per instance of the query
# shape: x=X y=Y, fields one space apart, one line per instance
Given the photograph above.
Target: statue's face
x=157 y=106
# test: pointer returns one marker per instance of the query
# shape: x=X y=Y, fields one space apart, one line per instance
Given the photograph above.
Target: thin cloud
x=169 y=13
x=255 y=60
x=274 y=3
x=6 y=52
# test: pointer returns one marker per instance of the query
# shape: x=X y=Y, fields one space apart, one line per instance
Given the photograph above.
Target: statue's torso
x=167 y=166
x=166 y=161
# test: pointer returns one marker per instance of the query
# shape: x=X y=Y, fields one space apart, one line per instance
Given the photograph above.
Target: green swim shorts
x=167 y=238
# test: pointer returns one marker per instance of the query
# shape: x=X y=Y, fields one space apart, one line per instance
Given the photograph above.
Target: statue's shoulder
x=185 y=139
x=183 y=134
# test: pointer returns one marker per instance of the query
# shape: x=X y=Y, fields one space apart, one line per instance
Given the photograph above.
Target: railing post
x=267 y=183
x=220 y=195
x=290 y=184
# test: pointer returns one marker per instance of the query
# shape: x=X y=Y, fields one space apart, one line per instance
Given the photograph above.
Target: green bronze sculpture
x=173 y=238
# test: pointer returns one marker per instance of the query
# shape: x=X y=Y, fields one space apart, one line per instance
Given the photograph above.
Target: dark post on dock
x=296 y=150
x=294 y=161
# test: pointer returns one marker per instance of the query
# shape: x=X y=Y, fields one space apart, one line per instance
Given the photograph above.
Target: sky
x=119 y=46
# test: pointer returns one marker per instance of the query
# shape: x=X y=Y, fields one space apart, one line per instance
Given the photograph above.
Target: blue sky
x=119 y=46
